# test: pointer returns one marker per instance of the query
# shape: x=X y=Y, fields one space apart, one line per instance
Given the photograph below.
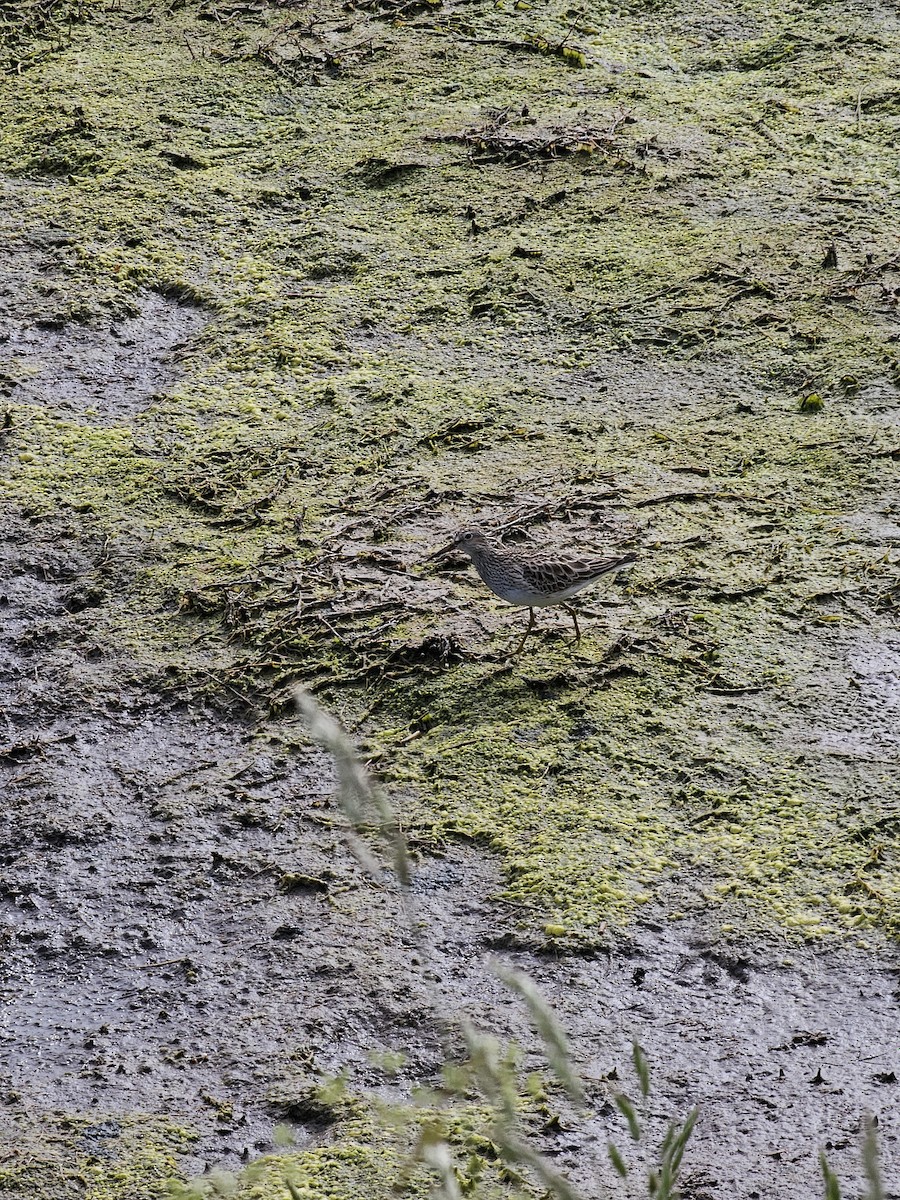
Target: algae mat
x=290 y=292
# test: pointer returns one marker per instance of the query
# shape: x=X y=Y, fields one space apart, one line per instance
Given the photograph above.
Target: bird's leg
x=528 y=629
x=574 y=616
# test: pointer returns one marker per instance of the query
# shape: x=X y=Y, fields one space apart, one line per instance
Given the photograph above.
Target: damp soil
x=188 y=934
x=108 y=373
x=285 y=301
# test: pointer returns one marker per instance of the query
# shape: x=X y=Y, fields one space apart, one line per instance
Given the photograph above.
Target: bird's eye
x=467 y=537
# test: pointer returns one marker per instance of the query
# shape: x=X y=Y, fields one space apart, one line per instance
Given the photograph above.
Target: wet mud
x=284 y=302
x=187 y=934
x=106 y=374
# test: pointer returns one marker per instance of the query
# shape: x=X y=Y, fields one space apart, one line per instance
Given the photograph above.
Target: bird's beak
x=443 y=550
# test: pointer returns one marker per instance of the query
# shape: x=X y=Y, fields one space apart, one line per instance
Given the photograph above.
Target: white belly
x=523 y=599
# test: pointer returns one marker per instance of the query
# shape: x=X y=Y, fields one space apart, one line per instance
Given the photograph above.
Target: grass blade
x=364 y=804
x=871 y=1165
x=642 y=1067
x=626 y=1108
x=832 y=1187
x=518 y=1151
x=616 y=1159
x=433 y=1150
x=556 y=1044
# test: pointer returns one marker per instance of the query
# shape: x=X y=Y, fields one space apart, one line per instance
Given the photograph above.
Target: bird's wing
x=556 y=574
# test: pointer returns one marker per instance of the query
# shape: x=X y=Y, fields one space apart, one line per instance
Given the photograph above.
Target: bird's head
x=469 y=541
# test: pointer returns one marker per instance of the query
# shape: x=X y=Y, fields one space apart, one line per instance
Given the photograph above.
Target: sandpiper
x=528 y=578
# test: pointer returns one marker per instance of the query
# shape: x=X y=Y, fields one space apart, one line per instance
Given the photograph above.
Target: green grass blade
x=616 y=1159
x=871 y=1165
x=832 y=1187
x=626 y=1108
x=555 y=1041
x=642 y=1067
x=518 y=1151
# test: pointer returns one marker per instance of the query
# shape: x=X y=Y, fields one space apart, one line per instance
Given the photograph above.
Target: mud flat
x=286 y=295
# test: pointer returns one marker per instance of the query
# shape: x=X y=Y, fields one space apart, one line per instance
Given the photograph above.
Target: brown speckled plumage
x=521 y=576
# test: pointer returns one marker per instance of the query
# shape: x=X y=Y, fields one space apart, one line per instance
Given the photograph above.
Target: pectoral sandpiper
x=528 y=578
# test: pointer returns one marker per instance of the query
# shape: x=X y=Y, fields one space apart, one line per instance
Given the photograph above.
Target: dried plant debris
x=30 y=30
x=534 y=43
x=394 y=10
x=298 y=49
x=512 y=136
x=336 y=601
x=235 y=485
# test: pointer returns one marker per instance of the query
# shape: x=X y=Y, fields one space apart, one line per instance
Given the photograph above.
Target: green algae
x=385 y=314
x=375 y=324
x=643 y=800
x=94 y=1158
x=68 y=464
x=374 y=1157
